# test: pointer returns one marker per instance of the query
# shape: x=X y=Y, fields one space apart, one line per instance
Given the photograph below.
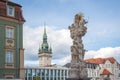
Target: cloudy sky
x=103 y=34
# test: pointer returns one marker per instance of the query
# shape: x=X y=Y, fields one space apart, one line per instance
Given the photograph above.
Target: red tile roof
x=100 y=60
x=106 y=72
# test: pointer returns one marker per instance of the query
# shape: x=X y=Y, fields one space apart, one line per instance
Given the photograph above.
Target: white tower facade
x=45 y=59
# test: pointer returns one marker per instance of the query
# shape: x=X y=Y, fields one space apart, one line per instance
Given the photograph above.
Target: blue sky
x=103 y=18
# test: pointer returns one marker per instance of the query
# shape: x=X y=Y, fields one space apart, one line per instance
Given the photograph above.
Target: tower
x=11 y=40
x=45 y=52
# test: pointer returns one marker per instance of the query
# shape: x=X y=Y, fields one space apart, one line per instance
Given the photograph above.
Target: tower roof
x=45 y=47
x=45 y=34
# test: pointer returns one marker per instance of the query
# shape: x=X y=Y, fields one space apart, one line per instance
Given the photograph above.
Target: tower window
x=9 y=32
x=9 y=56
x=10 y=11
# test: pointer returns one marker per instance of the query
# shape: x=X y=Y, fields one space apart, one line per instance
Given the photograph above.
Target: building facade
x=93 y=71
x=108 y=69
x=46 y=73
x=11 y=40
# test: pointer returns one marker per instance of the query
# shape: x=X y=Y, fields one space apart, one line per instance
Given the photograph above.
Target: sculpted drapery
x=77 y=31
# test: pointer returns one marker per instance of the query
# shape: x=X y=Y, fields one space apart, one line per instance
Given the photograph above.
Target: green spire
x=45 y=34
x=45 y=47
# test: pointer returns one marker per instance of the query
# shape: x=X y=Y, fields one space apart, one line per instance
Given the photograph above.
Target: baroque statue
x=77 y=31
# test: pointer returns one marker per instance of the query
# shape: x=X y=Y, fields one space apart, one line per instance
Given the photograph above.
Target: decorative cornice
x=11 y=19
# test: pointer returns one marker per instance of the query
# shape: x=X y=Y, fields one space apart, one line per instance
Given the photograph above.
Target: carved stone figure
x=77 y=31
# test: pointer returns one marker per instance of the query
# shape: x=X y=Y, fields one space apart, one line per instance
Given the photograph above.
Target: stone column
x=77 y=31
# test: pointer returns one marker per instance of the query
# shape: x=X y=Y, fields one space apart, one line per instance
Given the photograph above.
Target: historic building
x=11 y=40
x=46 y=73
x=45 y=52
x=93 y=70
x=106 y=69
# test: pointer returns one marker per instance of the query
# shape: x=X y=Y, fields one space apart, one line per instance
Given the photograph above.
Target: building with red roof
x=108 y=69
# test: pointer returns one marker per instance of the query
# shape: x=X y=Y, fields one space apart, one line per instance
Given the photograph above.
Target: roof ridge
x=100 y=60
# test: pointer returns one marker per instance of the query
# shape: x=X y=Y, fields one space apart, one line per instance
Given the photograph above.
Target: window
x=9 y=56
x=10 y=11
x=9 y=32
x=108 y=65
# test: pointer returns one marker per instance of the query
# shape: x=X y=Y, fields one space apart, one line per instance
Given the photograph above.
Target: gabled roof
x=100 y=60
x=106 y=72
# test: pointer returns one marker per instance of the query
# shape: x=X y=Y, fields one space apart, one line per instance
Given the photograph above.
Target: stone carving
x=77 y=31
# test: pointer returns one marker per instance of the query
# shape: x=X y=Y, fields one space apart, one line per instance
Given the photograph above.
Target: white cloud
x=104 y=52
x=32 y=63
x=101 y=53
x=59 y=39
x=102 y=32
x=63 y=60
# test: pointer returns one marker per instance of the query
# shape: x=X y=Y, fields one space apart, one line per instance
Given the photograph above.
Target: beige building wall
x=22 y=70
x=45 y=59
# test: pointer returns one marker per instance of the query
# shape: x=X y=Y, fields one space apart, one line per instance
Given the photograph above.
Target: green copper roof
x=45 y=34
x=50 y=48
x=45 y=47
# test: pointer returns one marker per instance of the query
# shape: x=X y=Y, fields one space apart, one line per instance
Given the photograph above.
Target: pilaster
x=22 y=70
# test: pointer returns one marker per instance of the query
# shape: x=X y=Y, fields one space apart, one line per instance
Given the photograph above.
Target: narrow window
x=9 y=56
x=9 y=32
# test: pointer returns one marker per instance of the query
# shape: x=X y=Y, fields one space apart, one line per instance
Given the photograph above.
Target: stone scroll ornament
x=77 y=31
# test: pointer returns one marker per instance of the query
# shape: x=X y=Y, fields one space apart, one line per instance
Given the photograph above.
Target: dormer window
x=10 y=11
